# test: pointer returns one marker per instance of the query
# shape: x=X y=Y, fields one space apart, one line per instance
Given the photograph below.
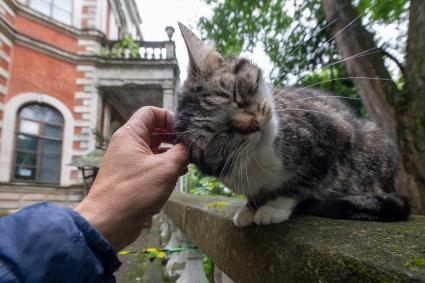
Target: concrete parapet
x=303 y=249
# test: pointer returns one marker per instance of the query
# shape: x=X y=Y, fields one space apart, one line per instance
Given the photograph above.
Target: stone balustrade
x=303 y=249
x=139 y=50
x=181 y=267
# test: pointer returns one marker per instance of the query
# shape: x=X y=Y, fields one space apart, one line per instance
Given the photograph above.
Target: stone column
x=170 y=49
x=107 y=121
x=168 y=98
x=194 y=269
x=186 y=266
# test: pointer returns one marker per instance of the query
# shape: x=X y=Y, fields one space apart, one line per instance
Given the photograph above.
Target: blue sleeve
x=45 y=243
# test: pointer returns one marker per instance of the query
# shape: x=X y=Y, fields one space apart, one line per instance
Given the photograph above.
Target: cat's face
x=224 y=109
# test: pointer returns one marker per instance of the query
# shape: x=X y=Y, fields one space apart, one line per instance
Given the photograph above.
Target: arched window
x=38 y=144
x=60 y=10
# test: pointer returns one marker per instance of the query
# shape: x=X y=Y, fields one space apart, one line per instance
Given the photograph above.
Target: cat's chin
x=264 y=136
x=254 y=140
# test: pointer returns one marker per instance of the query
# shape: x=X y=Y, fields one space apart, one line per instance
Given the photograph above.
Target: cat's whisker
x=261 y=166
x=345 y=78
x=304 y=42
x=340 y=31
x=352 y=22
x=205 y=85
x=358 y=55
x=239 y=166
x=235 y=165
x=246 y=174
x=322 y=96
x=200 y=80
x=311 y=126
x=355 y=56
x=225 y=164
x=195 y=140
x=304 y=110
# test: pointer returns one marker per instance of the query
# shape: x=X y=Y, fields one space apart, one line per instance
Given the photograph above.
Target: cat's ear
x=202 y=56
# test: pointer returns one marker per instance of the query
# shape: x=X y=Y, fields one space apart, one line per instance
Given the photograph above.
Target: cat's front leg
x=275 y=211
x=243 y=217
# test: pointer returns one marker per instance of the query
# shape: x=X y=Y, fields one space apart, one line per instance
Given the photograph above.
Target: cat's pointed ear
x=202 y=56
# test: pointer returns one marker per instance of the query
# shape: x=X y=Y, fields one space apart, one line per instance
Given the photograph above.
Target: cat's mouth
x=258 y=138
x=265 y=134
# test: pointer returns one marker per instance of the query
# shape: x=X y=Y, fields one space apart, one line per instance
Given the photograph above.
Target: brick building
x=68 y=68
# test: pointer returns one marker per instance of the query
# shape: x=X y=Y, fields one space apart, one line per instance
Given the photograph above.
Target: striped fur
x=309 y=150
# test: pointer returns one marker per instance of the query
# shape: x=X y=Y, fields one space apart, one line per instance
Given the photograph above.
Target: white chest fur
x=260 y=167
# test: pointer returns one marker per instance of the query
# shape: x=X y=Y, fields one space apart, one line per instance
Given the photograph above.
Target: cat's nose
x=253 y=125
x=246 y=123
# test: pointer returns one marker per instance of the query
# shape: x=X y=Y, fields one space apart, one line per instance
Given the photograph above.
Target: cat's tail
x=387 y=207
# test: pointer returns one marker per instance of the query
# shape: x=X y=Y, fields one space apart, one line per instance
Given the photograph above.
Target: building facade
x=70 y=70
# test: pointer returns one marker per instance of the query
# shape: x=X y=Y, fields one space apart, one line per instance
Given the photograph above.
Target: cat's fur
x=284 y=148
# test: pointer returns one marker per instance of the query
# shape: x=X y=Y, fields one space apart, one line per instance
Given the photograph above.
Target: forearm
x=45 y=243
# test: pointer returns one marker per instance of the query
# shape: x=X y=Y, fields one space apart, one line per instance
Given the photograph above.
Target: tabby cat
x=286 y=150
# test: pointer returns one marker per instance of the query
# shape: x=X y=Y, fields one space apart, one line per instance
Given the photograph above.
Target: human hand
x=136 y=177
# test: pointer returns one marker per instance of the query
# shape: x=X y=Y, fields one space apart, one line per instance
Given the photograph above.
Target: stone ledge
x=304 y=249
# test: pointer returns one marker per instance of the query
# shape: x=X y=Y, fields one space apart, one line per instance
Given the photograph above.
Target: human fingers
x=149 y=118
x=161 y=136
x=173 y=161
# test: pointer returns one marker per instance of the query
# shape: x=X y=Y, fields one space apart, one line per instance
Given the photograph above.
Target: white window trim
x=76 y=21
x=8 y=133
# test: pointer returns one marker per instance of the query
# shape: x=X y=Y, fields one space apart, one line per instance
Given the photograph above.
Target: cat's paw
x=266 y=215
x=243 y=217
x=275 y=211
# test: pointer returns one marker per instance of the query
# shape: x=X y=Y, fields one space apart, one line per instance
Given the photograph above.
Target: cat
x=287 y=150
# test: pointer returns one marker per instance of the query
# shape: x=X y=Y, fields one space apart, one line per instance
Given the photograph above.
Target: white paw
x=243 y=217
x=275 y=211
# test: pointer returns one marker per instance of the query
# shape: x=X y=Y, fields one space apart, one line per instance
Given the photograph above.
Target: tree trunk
x=397 y=113
x=411 y=117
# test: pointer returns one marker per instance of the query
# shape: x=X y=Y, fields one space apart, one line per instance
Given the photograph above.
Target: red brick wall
x=44 y=33
x=32 y=71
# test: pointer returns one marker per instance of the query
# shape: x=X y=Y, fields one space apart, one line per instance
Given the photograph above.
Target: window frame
x=38 y=152
x=52 y=6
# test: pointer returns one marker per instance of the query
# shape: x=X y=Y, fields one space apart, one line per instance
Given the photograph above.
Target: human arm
x=133 y=182
x=44 y=243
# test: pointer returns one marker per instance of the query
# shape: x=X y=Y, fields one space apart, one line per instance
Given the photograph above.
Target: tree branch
x=351 y=39
x=395 y=60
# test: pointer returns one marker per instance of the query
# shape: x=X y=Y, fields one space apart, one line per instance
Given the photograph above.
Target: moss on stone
x=394 y=248
x=217 y=204
x=415 y=262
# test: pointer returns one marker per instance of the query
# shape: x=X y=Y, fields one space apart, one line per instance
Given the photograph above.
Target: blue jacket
x=45 y=243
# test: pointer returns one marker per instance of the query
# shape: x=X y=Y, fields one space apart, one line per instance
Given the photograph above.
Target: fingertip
x=180 y=153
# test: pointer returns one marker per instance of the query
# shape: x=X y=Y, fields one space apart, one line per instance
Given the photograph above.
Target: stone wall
x=303 y=249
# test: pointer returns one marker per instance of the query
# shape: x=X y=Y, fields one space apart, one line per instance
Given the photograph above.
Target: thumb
x=177 y=157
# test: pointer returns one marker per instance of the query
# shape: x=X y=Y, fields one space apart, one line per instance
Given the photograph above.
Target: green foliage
x=293 y=32
x=238 y=25
x=208 y=268
x=206 y=185
x=325 y=80
x=127 y=47
x=387 y=11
